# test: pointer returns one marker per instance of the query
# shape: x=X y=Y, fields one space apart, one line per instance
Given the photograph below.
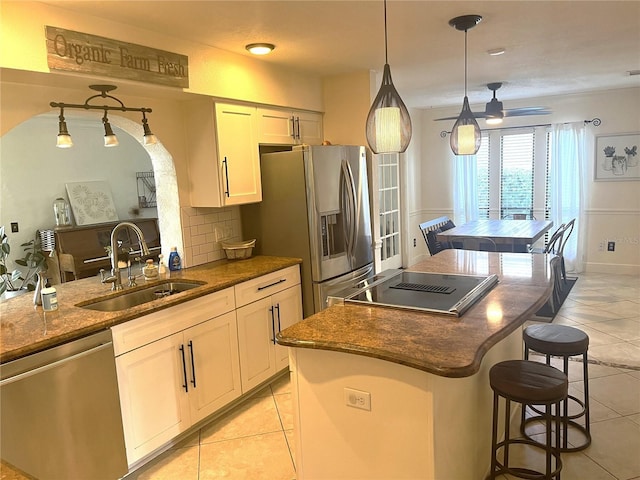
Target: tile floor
x=254 y=441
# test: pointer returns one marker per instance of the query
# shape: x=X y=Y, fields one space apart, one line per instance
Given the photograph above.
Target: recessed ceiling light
x=260 y=48
x=496 y=51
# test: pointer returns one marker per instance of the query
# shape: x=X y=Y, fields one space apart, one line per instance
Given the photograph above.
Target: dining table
x=508 y=235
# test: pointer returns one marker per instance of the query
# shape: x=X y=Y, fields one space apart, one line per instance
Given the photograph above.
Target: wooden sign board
x=83 y=53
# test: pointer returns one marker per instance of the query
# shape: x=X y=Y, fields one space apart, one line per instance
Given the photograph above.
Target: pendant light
x=465 y=135
x=388 y=127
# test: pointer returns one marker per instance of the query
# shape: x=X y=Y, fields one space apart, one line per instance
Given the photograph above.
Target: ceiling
x=551 y=47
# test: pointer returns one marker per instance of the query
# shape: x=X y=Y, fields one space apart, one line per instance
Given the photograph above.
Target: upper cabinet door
x=309 y=127
x=238 y=154
x=223 y=157
x=288 y=127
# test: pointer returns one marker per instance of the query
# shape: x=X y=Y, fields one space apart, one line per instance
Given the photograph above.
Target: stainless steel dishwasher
x=61 y=412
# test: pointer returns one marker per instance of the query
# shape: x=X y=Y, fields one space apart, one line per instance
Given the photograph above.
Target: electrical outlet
x=228 y=231
x=611 y=246
x=601 y=246
x=357 y=399
x=14 y=227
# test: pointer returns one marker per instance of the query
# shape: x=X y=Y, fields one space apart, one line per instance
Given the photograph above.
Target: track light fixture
x=149 y=138
x=465 y=135
x=64 y=139
x=388 y=126
x=110 y=140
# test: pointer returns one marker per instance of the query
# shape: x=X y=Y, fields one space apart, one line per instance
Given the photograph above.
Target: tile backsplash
x=204 y=228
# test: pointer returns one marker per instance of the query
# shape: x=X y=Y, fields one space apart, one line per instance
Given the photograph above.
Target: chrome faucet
x=114 y=278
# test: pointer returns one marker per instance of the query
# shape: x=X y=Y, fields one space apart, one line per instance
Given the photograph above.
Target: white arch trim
x=168 y=203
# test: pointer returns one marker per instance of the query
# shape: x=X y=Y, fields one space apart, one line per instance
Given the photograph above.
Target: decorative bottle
x=174 y=260
x=150 y=271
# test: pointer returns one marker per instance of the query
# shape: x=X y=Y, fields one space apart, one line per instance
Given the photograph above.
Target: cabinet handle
x=272 y=284
x=193 y=364
x=273 y=326
x=293 y=127
x=226 y=176
x=184 y=370
x=297 y=127
x=279 y=326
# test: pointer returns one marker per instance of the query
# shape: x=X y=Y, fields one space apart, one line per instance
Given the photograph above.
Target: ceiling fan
x=494 y=111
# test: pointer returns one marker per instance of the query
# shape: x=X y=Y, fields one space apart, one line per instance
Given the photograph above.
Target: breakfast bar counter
x=434 y=343
x=393 y=393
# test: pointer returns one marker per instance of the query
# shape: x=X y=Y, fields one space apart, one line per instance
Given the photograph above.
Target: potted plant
x=33 y=261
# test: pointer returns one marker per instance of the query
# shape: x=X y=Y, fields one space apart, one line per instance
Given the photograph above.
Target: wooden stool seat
x=556 y=339
x=526 y=383
x=562 y=341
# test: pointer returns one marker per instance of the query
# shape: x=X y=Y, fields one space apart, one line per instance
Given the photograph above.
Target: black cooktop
x=450 y=294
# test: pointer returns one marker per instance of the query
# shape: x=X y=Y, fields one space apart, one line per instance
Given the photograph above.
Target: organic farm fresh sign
x=83 y=53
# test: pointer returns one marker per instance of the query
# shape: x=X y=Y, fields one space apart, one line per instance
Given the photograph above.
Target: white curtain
x=465 y=189
x=567 y=185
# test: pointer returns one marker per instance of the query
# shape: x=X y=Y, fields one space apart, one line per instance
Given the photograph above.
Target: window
x=513 y=174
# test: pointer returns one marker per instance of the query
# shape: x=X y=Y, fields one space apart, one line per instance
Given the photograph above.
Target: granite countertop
x=26 y=329
x=439 y=344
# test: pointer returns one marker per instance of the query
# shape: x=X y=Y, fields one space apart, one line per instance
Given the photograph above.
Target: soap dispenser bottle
x=174 y=260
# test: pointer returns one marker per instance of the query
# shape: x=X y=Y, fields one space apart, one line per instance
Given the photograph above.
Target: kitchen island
x=384 y=393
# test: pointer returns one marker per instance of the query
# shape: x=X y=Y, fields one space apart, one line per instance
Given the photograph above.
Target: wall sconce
x=110 y=139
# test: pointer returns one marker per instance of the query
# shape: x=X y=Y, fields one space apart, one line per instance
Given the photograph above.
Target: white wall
x=34 y=172
x=613 y=208
x=212 y=71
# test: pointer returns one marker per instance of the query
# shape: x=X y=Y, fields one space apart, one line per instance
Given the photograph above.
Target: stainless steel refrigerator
x=315 y=206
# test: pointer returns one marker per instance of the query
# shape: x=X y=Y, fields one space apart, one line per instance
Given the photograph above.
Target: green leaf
x=21 y=262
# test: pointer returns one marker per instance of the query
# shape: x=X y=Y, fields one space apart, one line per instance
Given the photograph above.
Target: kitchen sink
x=129 y=299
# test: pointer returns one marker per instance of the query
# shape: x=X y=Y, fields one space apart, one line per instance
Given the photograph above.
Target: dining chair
x=566 y=233
x=553 y=245
x=431 y=228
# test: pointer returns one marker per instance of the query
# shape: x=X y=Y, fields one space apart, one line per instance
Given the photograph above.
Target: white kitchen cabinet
x=176 y=367
x=287 y=127
x=223 y=157
x=154 y=410
x=266 y=305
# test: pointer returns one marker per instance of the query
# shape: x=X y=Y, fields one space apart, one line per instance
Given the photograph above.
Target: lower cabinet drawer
x=141 y=331
x=252 y=290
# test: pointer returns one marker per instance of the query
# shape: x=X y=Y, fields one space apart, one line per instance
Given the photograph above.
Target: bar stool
x=565 y=342
x=526 y=383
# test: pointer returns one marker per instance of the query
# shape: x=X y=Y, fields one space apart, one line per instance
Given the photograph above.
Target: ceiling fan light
x=388 y=127
x=465 y=136
x=493 y=120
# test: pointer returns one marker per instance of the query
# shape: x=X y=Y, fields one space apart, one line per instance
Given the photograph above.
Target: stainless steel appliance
x=61 y=412
x=449 y=294
x=315 y=206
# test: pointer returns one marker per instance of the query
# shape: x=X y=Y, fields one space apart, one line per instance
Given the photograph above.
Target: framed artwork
x=617 y=157
x=91 y=202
